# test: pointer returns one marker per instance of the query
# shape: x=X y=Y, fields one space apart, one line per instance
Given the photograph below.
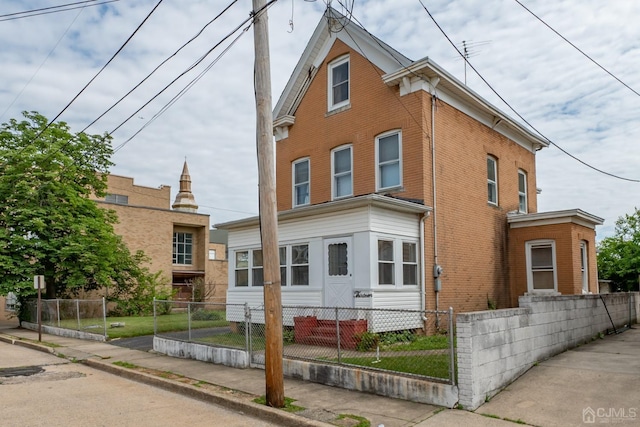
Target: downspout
x=423 y=290
x=437 y=270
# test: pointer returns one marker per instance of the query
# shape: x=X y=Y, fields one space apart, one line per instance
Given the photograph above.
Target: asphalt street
x=72 y=394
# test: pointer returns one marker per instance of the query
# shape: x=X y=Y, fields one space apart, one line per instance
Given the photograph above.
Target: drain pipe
x=423 y=290
x=437 y=269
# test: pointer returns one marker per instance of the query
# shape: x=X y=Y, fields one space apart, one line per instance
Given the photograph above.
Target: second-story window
x=492 y=180
x=338 y=83
x=388 y=159
x=522 y=191
x=120 y=199
x=182 y=248
x=342 y=178
x=301 y=181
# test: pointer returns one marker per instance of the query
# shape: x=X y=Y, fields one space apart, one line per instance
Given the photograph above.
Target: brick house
x=400 y=187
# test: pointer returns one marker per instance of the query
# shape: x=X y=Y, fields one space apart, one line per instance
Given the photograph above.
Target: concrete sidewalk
x=601 y=375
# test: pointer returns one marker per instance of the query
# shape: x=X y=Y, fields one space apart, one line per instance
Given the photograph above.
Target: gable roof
x=399 y=70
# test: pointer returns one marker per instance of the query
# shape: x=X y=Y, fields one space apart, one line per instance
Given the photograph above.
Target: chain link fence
x=75 y=314
x=407 y=342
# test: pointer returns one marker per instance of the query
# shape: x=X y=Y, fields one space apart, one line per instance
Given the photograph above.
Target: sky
x=46 y=60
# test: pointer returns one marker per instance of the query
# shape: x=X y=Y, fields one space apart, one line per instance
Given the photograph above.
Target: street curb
x=262 y=412
x=27 y=344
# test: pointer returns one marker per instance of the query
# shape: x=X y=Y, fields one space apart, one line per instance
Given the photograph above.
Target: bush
x=288 y=335
x=367 y=341
x=207 y=315
x=389 y=338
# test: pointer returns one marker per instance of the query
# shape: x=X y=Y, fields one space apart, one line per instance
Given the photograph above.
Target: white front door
x=338 y=272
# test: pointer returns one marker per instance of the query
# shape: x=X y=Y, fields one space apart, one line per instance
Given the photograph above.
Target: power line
x=161 y=64
x=516 y=112
x=87 y=85
x=52 y=9
x=43 y=62
x=578 y=49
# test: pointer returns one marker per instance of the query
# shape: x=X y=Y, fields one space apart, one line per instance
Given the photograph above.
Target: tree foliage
x=48 y=223
x=619 y=255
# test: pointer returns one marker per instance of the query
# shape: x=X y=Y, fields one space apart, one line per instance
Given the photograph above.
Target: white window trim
x=330 y=104
x=520 y=193
x=494 y=181
x=416 y=263
x=294 y=185
x=400 y=171
x=529 y=245
x=251 y=267
x=334 y=196
x=584 y=266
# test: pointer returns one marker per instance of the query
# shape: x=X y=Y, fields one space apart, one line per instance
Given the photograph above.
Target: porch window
x=388 y=159
x=283 y=266
x=300 y=265
x=409 y=264
x=584 y=267
x=492 y=180
x=182 y=248
x=301 y=183
x=341 y=165
x=257 y=278
x=522 y=191
x=242 y=268
x=385 y=263
x=338 y=83
x=541 y=266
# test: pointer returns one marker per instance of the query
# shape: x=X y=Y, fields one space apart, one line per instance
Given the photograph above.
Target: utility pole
x=268 y=209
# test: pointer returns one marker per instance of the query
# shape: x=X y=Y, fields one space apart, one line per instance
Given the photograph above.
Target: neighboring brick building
x=368 y=145
x=176 y=240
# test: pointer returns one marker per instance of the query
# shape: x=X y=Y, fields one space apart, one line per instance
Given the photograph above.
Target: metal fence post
x=78 y=312
x=104 y=316
x=58 y=310
x=189 y=319
x=155 y=319
x=338 y=336
x=452 y=358
x=247 y=326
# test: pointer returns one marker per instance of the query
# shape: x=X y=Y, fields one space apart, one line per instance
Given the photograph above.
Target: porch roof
x=576 y=216
x=374 y=200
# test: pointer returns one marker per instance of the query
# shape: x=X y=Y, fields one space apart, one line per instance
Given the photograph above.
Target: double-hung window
x=584 y=267
x=386 y=271
x=541 y=266
x=409 y=264
x=301 y=182
x=388 y=160
x=257 y=278
x=242 y=268
x=522 y=191
x=342 y=178
x=283 y=265
x=338 y=95
x=183 y=248
x=299 y=265
x=492 y=180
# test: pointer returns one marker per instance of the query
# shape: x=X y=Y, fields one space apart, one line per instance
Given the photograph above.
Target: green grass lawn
x=436 y=365
x=143 y=325
x=234 y=340
x=431 y=342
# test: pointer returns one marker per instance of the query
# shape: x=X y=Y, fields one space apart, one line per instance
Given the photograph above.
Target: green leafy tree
x=619 y=255
x=48 y=223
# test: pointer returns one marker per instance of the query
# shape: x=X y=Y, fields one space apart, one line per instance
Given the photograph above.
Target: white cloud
x=553 y=86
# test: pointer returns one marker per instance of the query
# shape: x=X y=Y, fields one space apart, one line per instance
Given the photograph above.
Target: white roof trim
x=376 y=200
x=576 y=216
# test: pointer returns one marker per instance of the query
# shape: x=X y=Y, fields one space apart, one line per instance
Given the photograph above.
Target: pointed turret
x=184 y=200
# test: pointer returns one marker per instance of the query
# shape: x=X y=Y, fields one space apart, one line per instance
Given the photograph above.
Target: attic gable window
x=338 y=84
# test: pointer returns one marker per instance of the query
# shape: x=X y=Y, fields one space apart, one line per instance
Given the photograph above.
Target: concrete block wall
x=496 y=347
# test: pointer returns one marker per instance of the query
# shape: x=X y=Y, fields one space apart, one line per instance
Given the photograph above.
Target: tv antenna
x=469 y=49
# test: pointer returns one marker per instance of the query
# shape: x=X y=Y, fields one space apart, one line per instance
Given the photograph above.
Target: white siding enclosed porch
x=362 y=252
